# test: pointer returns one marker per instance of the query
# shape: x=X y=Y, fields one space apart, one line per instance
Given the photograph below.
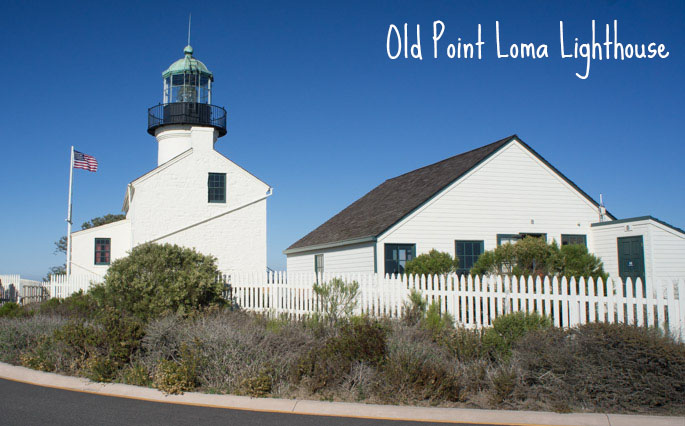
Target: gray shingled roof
x=395 y=198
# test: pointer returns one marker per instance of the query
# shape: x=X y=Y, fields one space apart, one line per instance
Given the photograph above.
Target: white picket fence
x=13 y=288
x=10 y=286
x=475 y=302
x=472 y=301
x=62 y=286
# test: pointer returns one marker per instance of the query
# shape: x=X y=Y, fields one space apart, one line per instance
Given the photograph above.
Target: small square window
x=103 y=249
x=216 y=188
x=397 y=256
x=468 y=253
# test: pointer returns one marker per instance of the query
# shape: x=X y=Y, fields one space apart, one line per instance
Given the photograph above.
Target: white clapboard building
x=475 y=201
x=195 y=197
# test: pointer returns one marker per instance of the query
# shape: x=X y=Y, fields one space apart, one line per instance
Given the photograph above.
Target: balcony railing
x=186 y=113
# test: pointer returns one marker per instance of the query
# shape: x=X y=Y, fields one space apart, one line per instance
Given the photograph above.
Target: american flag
x=85 y=162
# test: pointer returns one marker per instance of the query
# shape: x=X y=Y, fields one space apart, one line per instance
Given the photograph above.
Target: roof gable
x=394 y=199
x=130 y=188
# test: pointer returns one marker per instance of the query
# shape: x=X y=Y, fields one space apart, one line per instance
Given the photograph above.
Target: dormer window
x=216 y=188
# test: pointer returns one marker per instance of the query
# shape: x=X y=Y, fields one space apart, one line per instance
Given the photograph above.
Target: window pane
x=468 y=253
x=102 y=251
x=318 y=263
x=573 y=239
x=216 y=187
x=174 y=93
x=397 y=256
x=177 y=80
x=191 y=80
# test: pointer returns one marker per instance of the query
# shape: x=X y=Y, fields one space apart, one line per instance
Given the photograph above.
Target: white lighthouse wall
x=172 y=141
x=83 y=246
x=170 y=204
x=237 y=240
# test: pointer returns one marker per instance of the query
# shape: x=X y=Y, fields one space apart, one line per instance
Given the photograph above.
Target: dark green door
x=631 y=258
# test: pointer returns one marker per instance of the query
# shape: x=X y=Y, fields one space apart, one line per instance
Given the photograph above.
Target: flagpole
x=71 y=179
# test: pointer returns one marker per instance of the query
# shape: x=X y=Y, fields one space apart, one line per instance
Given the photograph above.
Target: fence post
x=639 y=304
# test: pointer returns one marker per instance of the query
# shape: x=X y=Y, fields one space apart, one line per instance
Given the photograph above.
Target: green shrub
x=602 y=367
x=433 y=263
x=417 y=369
x=414 y=308
x=534 y=256
x=174 y=377
x=465 y=344
x=577 y=262
x=234 y=349
x=258 y=386
x=360 y=340
x=136 y=374
x=509 y=328
x=12 y=310
x=160 y=279
x=78 y=305
x=500 y=261
x=20 y=335
x=337 y=299
x=436 y=321
x=100 y=368
x=503 y=381
x=41 y=356
x=99 y=348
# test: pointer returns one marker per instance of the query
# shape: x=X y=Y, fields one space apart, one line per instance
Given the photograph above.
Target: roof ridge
x=378 y=209
x=457 y=155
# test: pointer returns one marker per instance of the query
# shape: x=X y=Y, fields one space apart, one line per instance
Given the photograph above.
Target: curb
x=335 y=409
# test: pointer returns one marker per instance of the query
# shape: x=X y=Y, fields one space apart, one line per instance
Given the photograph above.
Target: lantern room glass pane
x=188 y=87
x=191 y=80
x=167 y=89
x=204 y=95
x=177 y=80
x=187 y=94
x=174 y=93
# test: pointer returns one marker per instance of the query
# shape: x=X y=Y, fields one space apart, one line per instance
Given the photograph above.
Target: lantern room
x=188 y=80
x=187 y=98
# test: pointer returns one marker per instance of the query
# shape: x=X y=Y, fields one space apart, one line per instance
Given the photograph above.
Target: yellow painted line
x=265 y=410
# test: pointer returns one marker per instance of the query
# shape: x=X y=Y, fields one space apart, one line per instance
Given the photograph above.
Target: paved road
x=24 y=404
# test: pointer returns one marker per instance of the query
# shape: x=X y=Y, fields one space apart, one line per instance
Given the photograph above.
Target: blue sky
x=318 y=110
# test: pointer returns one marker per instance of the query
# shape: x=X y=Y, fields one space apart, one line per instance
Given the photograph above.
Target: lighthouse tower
x=195 y=197
x=186 y=118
